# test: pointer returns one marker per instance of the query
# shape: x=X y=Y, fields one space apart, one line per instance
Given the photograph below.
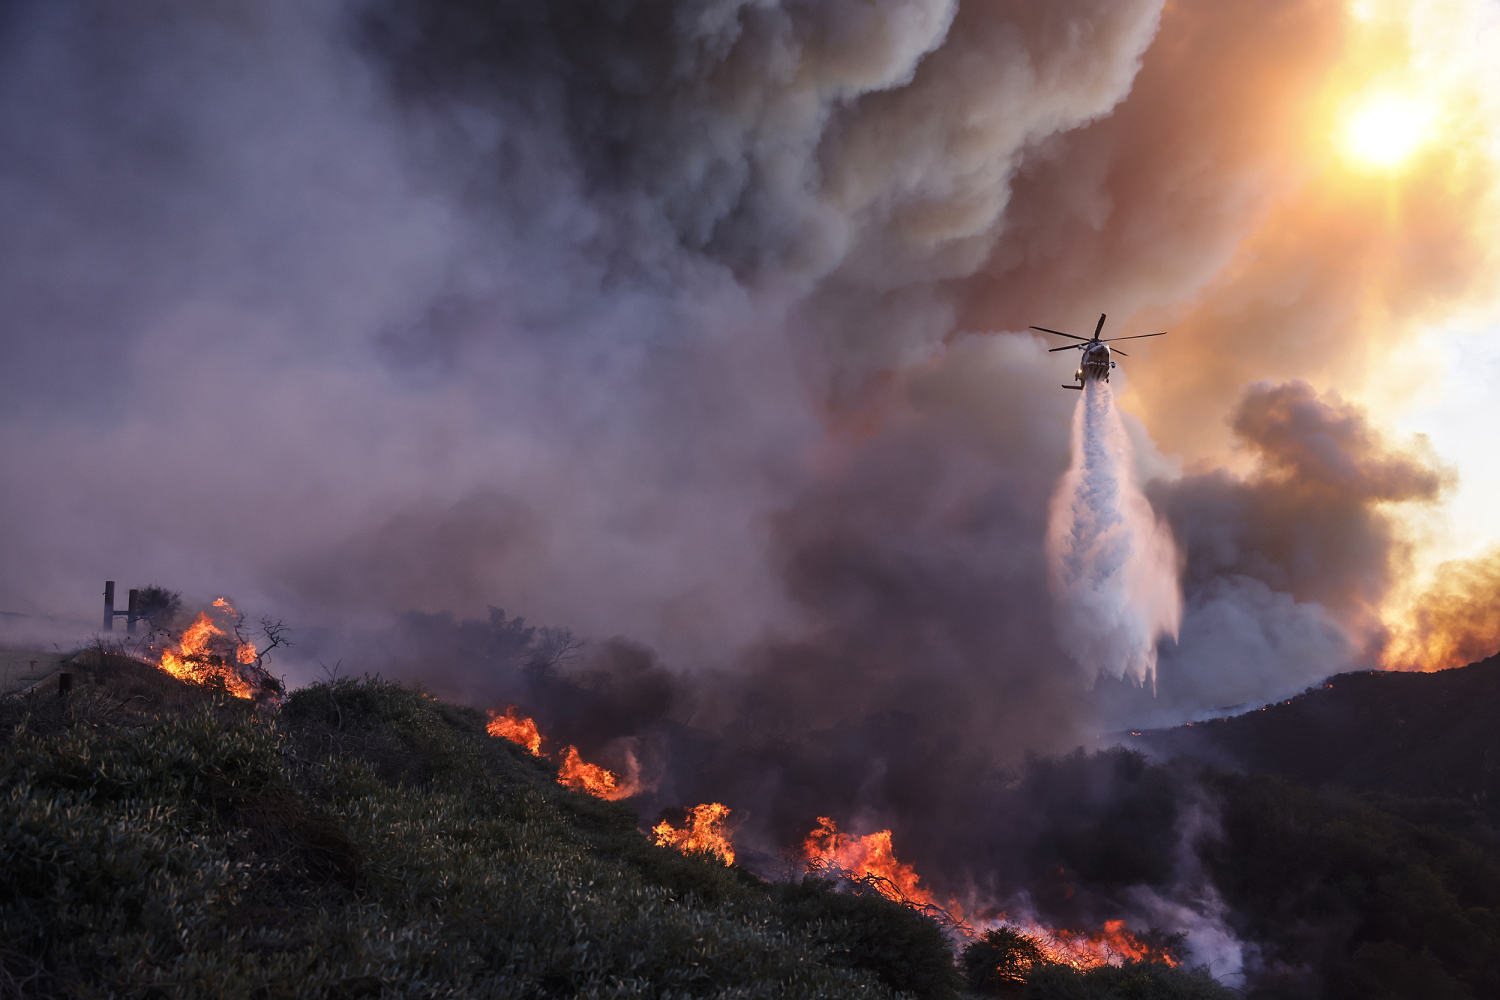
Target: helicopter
x=1095 y=363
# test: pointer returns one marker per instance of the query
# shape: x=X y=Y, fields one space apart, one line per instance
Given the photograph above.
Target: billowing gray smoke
x=641 y=319
x=1112 y=564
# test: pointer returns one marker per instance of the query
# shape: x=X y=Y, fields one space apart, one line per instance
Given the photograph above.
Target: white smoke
x=1112 y=564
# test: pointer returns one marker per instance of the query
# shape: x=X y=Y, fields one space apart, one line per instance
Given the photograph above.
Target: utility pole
x=130 y=613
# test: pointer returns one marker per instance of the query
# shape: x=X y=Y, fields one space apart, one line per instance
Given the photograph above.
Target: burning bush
x=870 y=857
x=213 y=651
x=702 y=833
x=600 y=782
x=517 y=728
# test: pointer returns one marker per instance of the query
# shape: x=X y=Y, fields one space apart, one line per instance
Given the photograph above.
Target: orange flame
x=602 y=783
x=704 y=832
x=208 y=652
x=517 y=728
x=1114 y=945
x=870 y=856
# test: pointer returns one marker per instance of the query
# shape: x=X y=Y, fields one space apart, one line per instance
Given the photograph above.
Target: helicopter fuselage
x=1095 y=364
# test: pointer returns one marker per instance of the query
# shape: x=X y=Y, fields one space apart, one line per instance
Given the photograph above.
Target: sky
x=701 y=329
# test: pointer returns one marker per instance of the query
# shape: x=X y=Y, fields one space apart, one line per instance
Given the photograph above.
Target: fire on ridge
x=702 y=833
x=826 y=850
x=573 y=772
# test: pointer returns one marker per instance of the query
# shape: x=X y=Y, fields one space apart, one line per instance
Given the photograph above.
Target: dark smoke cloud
x=646 y=321
x=1284 y=567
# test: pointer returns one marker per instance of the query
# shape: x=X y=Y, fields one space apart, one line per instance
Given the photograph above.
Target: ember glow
x=210 y=652
x=703 y=833
x=517 y=728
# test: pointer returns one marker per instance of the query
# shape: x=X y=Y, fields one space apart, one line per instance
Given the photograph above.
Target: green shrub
x=999 y=963
x=864 y=930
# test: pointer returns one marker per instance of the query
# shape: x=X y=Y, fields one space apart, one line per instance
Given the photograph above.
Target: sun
x=1385 y=129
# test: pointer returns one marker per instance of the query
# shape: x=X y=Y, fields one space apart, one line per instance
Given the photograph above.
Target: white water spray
x=1112 y=563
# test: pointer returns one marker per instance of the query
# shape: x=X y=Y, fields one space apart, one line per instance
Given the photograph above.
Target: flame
x=703 y=833
x=1077 y=949
x=208 y=652
x=871 y=857
x=517 y=728
x=602 y=783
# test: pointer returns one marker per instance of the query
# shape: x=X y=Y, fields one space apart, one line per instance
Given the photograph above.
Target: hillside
x=367 y=840
x=1413 y=735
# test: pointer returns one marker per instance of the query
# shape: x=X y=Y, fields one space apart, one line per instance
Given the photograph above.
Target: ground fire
x=827 y=850
x=870 y=857
x=600 y=782
x=211 y=651
x=703 y=832
x=574 y=772
x=1114 y=945
x=517 y=728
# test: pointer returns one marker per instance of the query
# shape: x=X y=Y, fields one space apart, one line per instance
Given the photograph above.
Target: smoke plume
x=1112 y=565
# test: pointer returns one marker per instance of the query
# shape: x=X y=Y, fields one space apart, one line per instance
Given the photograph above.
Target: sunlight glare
x=1386 y=129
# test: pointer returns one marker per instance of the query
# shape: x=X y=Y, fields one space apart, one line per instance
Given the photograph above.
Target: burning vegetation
x=1079 y=949
x=702 y=833
x=869 y=858
x=517 y=728
x=600 y=782
x=213 y=651
x=573 y=772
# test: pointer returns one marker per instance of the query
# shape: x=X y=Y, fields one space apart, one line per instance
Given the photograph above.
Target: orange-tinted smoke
x=1451 y=624
x=703 y=833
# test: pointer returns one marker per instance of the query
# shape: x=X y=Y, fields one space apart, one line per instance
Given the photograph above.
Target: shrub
x=999 y=963
x=1131 y=981
x=864 y=930
x=369 y=842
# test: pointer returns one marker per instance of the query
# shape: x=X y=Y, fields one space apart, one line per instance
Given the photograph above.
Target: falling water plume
x=1112 y=563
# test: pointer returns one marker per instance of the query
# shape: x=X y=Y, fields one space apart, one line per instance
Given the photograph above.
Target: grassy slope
x=370 y=841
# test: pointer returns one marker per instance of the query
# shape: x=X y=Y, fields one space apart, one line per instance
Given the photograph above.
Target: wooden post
x=109 y=605
x=131 y=616
x=64 y=684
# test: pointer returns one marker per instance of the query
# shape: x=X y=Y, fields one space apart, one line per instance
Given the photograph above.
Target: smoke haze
x=691 y=328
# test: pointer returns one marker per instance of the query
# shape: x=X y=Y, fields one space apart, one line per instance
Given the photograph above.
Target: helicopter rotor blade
x=1065 y=347
x=1115 y=350
x=1099 y=327
x=1135 y=336
x=1059 y=333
